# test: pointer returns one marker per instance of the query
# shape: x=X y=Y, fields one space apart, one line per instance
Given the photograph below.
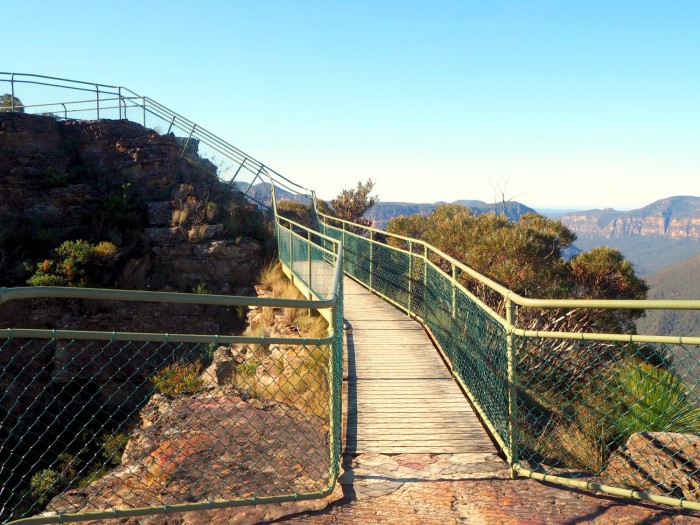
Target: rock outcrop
x=658 y=462
x=206 y=447
x=674 y=218
x=174 y=223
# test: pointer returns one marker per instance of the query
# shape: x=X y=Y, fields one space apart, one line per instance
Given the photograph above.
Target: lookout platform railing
x=614 y=412
x=610 y=412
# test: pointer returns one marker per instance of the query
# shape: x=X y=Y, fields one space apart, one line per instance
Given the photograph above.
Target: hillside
x=673 y=217
x=659 y=234
x=677 y=281
x=648 y=254
x=383 y=212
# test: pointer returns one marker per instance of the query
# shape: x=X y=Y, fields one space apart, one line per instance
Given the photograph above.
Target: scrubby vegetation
x=352 y=204
x=75 y=263
x=292 y=374
x=578 y=400
x=296 y=211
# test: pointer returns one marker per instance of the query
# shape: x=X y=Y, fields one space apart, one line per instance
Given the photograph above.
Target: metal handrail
x=328 y=303
x=509 y=441
x=611 y=304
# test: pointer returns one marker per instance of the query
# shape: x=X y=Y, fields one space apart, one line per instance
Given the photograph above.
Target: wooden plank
x=399 y=396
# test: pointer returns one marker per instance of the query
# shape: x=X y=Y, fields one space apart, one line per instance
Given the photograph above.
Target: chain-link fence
x=141 y=423
x=97 y=422
x=614 y=412
x=69 y=99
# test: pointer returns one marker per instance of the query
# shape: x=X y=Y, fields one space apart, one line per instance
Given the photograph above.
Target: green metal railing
x=615 y=413
x=97 y=424
x=39 y=94
x=84 y=437
x=74 y=399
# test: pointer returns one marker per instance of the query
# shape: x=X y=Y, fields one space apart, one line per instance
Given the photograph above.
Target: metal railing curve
x=76 y=442
x=607 y=412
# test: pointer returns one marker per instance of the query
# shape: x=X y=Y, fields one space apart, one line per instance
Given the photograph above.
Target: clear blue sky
x=563 y=104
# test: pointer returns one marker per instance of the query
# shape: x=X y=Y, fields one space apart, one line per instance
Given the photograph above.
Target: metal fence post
x=291 y=253
x=454 y=290
x=170 y=127
x=424 y=313
x=343 y=235
x=308 y=254
x=410 y=275
x=12 y=90
x=97 y=94
x=187 y=142
x=371 y=258
x=512 y=391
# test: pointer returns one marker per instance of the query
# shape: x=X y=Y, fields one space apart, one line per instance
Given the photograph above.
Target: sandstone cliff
x=175 y=224
x=674 y=218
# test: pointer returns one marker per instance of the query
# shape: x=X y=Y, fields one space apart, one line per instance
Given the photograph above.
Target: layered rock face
x=674 y=218
x=176 y=226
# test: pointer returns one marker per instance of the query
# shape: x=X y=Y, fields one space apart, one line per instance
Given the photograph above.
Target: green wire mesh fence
x=624 y=414
x=127 y=423
x=95 y=423
x=617 y=413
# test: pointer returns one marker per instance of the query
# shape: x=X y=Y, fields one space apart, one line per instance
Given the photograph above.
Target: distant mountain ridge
x=383 y=212
x=661 y=233
x=674 y=217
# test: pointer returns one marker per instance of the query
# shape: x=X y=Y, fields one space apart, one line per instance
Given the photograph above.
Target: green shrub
x=76 y=263
x=652 y=399
x=178 y=378
x=247 y=369
x=105 y=249
x=201 y=289
x=45 y=484
x=579 y=428
x=113 y=445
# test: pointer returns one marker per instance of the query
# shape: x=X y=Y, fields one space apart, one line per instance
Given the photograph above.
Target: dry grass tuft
x=293 y=374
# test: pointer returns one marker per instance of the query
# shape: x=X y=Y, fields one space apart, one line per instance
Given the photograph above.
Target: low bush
x=178 y=378
x=74 y=263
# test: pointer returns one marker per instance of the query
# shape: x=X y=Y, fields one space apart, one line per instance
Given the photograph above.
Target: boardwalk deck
x=399 y=396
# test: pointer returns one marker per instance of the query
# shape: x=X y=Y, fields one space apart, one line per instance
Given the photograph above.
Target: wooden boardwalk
x=398 y=395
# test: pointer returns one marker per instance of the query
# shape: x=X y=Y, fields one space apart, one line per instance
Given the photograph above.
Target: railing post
x=454 y=290
x=97 y=92
x=12 y=90
x=187 y=142
x=410 y=275
x=308 y=252
x=172 y=122
x=512 y=454
x=143 y=100
x=119 y=94
x=343 y=236
x=291 y=252
x=371 y=258
x=424 y=313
